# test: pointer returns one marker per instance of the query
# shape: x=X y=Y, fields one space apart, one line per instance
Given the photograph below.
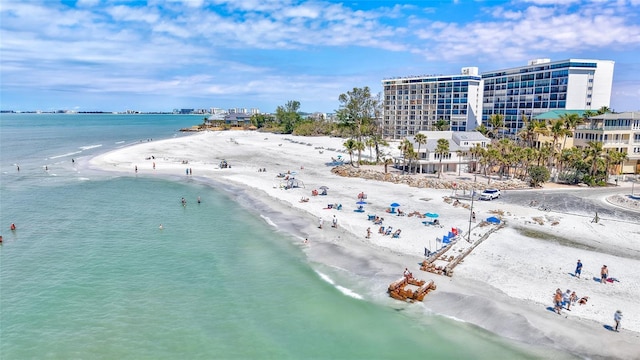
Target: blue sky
x=89 y=55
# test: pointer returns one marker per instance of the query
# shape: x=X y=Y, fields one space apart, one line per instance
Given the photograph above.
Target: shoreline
x=482 y=300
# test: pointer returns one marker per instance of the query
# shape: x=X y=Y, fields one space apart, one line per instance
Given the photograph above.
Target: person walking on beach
x=578 y=269
x=617 y=317
x=566 y=299
x=557 y=301
x=368 y=233
x=604 y=273
x=335 y=222
x=320 y=222
x=136 y=168
x=154 y=165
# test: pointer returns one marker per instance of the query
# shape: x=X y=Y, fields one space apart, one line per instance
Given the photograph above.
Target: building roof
x=614 y=116
x=454 y=139
x=555 y=114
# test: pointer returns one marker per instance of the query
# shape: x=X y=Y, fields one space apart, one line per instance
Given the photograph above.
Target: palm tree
x=540 y=128
x=604 y=110
x=359 y=146
x=497 y=122
x=387 y=161
x=557 y=130
x=420 y=139
x=570 y=123
x=476 y=152
x=482 y=129
x=442 y=149
x=526 y=134
x=405 y=147
x=460 y=154
x=594 y=155
x=615 y=158
x=350 y=145
x=370 y=144
x=441 y=125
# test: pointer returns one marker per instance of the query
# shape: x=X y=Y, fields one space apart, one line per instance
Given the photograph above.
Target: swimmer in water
x=161 y=227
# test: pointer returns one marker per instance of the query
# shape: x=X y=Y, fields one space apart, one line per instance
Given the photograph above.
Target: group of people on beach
x=334 y=222
x=566 y=299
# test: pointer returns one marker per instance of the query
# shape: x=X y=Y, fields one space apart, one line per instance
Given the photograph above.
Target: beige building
x=619 y=132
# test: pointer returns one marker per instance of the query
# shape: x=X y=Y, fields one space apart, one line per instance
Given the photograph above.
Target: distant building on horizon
x=416 y=103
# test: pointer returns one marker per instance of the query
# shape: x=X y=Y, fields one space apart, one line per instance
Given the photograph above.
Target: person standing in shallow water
x=578 y=269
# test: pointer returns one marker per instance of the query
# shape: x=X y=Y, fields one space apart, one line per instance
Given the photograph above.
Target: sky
x=91 y=55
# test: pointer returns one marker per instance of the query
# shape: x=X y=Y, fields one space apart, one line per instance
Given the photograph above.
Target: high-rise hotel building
x=415 y=103
x=543 y=85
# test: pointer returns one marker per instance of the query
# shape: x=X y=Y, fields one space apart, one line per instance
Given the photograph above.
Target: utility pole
x=470 y=215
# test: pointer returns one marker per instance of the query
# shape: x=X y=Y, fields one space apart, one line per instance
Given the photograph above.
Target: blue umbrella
x=395 y=205
x=493 y=220
x=361 y=202
x=431 y=215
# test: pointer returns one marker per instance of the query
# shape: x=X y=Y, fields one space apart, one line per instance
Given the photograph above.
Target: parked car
x=490 y=194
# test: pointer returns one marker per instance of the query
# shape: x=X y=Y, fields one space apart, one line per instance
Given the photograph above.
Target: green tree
x=350 y=146
x=288 y=116
x=358 y=111
x=538 y=175
x=261 y=120
x=387 y=161
x=482 y=129
x=571 y=121
x=604 y=110
x=496 y=121
x=420 y=139
x=406 y=148
x=441 y=125
x=442 y=149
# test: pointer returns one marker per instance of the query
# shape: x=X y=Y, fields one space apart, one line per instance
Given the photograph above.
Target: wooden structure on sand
x=453 y=261
x=398 y=290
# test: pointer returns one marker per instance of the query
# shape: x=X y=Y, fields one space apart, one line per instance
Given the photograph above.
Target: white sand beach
x=505 y=285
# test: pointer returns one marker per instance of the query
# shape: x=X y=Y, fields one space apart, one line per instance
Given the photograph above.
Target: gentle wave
x=349 y=292
x=88 y=147
x=268 y=221
x=342 y=289
x=64 y=155
x=83 y=179
x=120 y=142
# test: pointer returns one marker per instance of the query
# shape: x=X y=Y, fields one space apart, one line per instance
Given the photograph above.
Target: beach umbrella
x=395 y=205
x=431 y=215
x=493 y=220
x=361 y=202
x=323 y=187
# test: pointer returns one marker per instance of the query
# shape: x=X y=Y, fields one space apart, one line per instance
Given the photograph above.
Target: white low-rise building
x=458 y=158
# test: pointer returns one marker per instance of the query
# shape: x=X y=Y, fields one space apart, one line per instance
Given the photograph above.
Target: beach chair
x=371 y=217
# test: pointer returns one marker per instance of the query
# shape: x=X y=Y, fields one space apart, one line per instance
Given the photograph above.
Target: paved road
x=584 y=202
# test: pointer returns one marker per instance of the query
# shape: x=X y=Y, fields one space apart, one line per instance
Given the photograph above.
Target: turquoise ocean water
x=88 y=273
